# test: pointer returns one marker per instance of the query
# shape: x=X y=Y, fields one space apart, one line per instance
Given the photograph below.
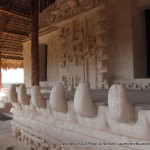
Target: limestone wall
x=122 y=46
x=128 y=45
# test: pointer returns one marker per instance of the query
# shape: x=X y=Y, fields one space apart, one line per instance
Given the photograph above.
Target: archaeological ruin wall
x=77 y=44
x=98 y=41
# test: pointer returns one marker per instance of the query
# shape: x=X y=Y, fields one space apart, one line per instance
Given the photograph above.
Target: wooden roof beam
x=15 y=34
x=14 y=14
x=11 y=53
x=11 y=57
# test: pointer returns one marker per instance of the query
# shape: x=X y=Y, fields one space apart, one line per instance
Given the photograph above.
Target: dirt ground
x=7 y=142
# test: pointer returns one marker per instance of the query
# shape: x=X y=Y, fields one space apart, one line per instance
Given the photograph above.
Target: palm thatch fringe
x=11 y=64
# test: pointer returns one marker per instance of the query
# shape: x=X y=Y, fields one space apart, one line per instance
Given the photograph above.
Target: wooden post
x=0 y=71
x=34 y=43
x=0 y=61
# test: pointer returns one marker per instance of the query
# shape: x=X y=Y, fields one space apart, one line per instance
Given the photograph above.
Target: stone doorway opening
x=147 y=21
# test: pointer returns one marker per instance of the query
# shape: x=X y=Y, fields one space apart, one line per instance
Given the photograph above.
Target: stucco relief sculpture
x=23 y=98
x=135 y=84
x=12 y=96
x=36 y=98
x=57 y=99
x=62 y=9
x=82 y=100
x=69 y=59
x=75 y=32
x=69 y=120
x=40 y=105
x=81 y=46
x=119 y=107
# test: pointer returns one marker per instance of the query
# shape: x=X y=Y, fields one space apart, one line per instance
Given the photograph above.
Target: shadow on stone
x=4 y=117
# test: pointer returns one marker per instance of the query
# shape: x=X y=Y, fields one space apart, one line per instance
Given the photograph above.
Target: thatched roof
x=14 y=28
x=15 y=22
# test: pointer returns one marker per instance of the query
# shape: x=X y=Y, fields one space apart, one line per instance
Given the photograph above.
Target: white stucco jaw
x=23 y=98
x=12 y=94
x=119 y=108
x=81 y=117
x=13 y=97
x=83 y=103
x=41 y=105
x=57 y=99
x=36 y=97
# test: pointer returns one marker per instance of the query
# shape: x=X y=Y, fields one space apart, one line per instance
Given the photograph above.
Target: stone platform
x=135 y=97
x=60 y=122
